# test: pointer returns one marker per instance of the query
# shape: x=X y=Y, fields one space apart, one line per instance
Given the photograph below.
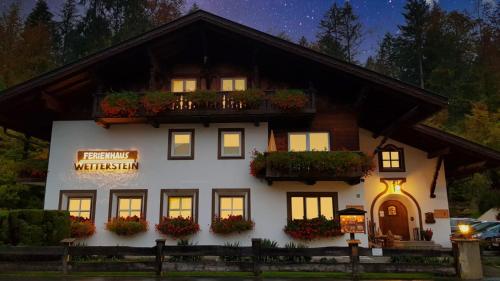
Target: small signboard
x=441 y=214
x=377 y=252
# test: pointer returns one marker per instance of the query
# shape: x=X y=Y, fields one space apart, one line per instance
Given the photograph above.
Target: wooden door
x=393 y=216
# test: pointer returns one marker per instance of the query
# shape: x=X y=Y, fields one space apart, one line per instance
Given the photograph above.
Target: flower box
x=158 y=102
x=81 y=227
x=231 y=224
x=289 y=100
x=122 y=104
x=127 y=226
x=248 y=99
x=177 y=227
x=310 y=229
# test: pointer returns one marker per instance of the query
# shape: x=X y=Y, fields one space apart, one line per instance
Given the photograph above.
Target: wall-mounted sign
x=106 y=160
x=441 y=213
x=352 y=220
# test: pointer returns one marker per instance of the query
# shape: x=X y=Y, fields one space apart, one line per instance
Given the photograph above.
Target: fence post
x=160 y=244
x=354 y=256
x=256 y=256
x=66 y=243
x=467 y=258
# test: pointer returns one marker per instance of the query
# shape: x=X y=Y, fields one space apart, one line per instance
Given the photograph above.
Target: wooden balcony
x=310 y=167
x=225 y=109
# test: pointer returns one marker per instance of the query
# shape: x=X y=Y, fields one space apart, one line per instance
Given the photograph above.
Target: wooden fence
x=255 y=253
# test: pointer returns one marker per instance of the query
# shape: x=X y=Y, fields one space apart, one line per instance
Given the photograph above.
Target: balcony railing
x=312 y=166
x=226 y=107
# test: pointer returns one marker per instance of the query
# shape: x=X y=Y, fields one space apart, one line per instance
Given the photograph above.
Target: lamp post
x=467 y=254
x=352 y=221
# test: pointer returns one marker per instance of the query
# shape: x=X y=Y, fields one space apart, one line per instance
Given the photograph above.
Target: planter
x=127 y=226
x=427 y=234
x=157 y=102
x=310 y=229
x=81 y=227
x=123 y=104
x=249 y=99
x=177 y=227
x=289 y=100
x=231 y=224
x=203 y=99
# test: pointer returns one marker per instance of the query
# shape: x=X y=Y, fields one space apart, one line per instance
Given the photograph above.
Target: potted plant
x=203 y=99
x=249 y=99
x=122 y=104
x=258 y=164
x=81 y=227
x=157 y=102
x=231 y=224
x=127 y=226
x=289 y=100
x=178 y=227
x=427 y=234
x=310 y=229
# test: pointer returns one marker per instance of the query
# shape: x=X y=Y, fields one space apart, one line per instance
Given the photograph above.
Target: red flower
x=312 y=229
x=127 y=226
x=231 y=224
x=178 y=227
x=81 y=227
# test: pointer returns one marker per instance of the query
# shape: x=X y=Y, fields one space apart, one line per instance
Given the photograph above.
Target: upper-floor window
x=183 y=85
x=233 y=84
x=391 y=159
x=181 y=144
x=309 y=141
x=231 y=144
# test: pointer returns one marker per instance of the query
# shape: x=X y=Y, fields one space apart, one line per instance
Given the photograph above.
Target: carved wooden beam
x=392 y=126
x=52 y=103
x=439 y=152
x=255 y=68
x=436 y=175
x=154 y=71
x=360 y=101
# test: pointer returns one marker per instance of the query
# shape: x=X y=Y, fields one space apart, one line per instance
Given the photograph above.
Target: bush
x=81 y=227
x=310 y=229
x=37 y=227
x=249 y=99
x=178 y=227
x=4 y=227
x=231 y=224
x=127 y=226
x=123 y=104
x=203 y=98
x=157 y=102
x=289 y=99
x=296 y=259
x=185 y=258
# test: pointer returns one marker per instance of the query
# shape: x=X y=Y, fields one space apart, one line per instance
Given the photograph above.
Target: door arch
x=393 y=216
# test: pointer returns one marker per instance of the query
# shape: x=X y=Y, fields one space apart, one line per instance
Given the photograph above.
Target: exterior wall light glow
x=465 y=230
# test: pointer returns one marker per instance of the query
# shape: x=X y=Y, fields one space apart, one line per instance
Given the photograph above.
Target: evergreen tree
x=350 y=31
x=130 y=18
x=163 y=11
x=330 y=33
x=386 y=57
x=40 y=15
x=193 y=8
x=67 y=33
x=11 y=27
x=94 y=28
x=303 y=42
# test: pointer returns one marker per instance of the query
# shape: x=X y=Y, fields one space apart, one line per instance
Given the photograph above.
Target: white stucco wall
x=205 y=172
x=419 y=174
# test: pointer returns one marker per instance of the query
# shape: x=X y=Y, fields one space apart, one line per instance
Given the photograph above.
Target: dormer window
x=391 y=159
x=233 y=84
x=183 y=85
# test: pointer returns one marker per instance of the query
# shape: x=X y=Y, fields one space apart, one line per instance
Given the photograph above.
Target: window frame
x=391 y=148
x=183 y=84
x=67 y=194
x=220 y=156
x=318 y=195
x=171 y=133
x=121 y=193
x=232 y=209
x=308 y=140
x=232 y=192
x=167 y=193
x=118 y=198
x=233 y=82
x=80 y=198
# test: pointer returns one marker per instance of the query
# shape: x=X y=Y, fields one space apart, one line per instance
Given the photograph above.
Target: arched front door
x=393 y=216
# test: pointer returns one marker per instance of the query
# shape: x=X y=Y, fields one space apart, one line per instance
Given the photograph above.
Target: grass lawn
x=331 y=275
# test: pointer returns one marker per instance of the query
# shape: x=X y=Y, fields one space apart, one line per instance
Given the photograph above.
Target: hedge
x=34 y=227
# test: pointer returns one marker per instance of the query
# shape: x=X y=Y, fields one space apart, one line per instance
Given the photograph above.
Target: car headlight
x=477 y=235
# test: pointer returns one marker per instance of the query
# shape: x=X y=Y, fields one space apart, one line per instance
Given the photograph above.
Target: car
x=483 y=226
x=491 y=236
x=454 y=222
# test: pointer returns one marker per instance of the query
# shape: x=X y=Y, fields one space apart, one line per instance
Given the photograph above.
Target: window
x=319 y=141
x=183 y=85
x=79 y=203
x=181 y=144
x=127 y=203
x=231 y=144
x=391 y=159
x=179 y=202
x=303 y=205
x=80 y=207
x=228 y=202
x=233 y=84
x=129 y=207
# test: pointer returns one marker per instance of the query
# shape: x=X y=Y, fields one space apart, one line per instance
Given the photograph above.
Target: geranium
x=156 y=102
x=289 y=99
x=249 y=99
x=231 y=224
x=309 y=229
x=127 y=226
x=124 y=104
x=81 y=227
x=178 y=227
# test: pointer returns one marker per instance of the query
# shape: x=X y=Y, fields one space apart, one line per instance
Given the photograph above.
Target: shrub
x=309 y=229
x=178 y=227
x=157 y=102
x=296 y=259
x=127 y=226
x=33 y=168
x=81 y=227
x=269 y=244
x=185 y=258
x=4 y=227
x=203 y=98
x=123 y=104
x=258 y=164
x=231 y=224
x=250 y=98
x=231 y=258
x=289 y=99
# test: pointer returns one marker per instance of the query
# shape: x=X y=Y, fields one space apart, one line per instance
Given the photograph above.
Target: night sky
x=301 y=17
